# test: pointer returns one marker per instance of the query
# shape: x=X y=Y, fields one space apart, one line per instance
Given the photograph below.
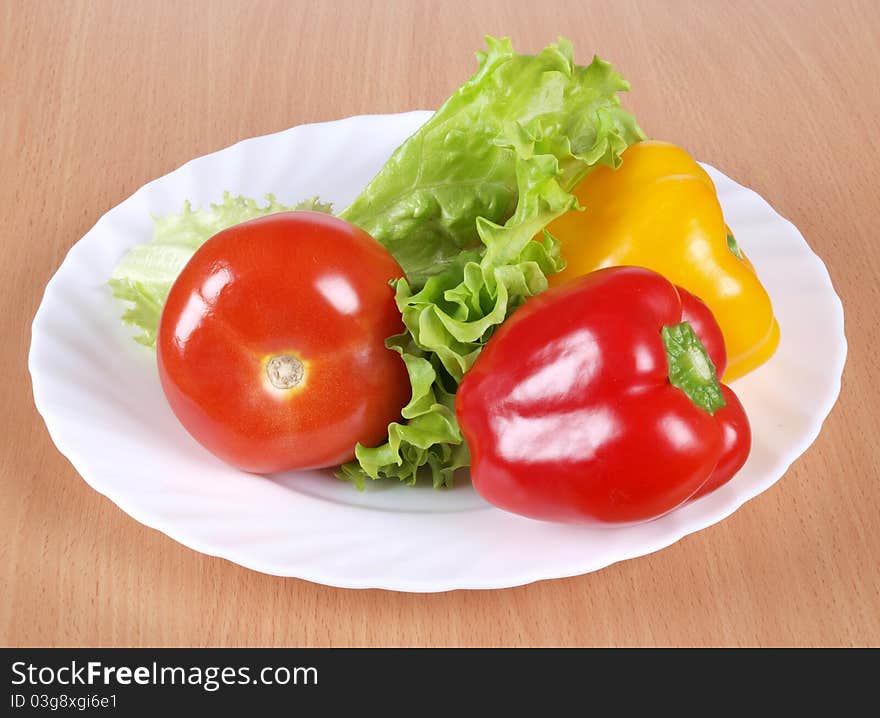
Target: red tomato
x=271 y=344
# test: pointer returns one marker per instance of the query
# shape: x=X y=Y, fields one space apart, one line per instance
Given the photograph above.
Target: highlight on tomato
x=271 y=345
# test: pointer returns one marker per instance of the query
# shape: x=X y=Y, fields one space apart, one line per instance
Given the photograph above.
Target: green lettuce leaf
x=450 y=319
x=144 y=276
x=462 y=164
x=507 y=147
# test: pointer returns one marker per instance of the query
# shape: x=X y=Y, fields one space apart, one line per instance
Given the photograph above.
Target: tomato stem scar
x=285 y=371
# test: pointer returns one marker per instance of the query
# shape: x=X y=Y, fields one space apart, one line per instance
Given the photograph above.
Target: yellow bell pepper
x=659 y=210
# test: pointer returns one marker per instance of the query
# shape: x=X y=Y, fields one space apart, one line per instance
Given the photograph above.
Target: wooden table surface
x=97 y=98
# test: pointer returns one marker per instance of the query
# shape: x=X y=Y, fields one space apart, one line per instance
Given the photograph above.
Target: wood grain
x=97 y=98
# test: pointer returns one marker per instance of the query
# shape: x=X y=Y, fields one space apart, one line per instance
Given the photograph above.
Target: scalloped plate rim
x=178 y=532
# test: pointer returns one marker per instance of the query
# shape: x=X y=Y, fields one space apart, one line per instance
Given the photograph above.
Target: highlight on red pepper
x=599 y=401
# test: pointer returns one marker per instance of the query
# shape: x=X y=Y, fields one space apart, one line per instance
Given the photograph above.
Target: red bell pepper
x=600 y=401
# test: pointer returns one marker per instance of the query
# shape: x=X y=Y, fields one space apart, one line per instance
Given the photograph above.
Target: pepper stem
x=691 y=368
x=733 y=246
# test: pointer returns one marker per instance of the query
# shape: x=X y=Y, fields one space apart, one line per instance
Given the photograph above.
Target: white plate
x=99 y=394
